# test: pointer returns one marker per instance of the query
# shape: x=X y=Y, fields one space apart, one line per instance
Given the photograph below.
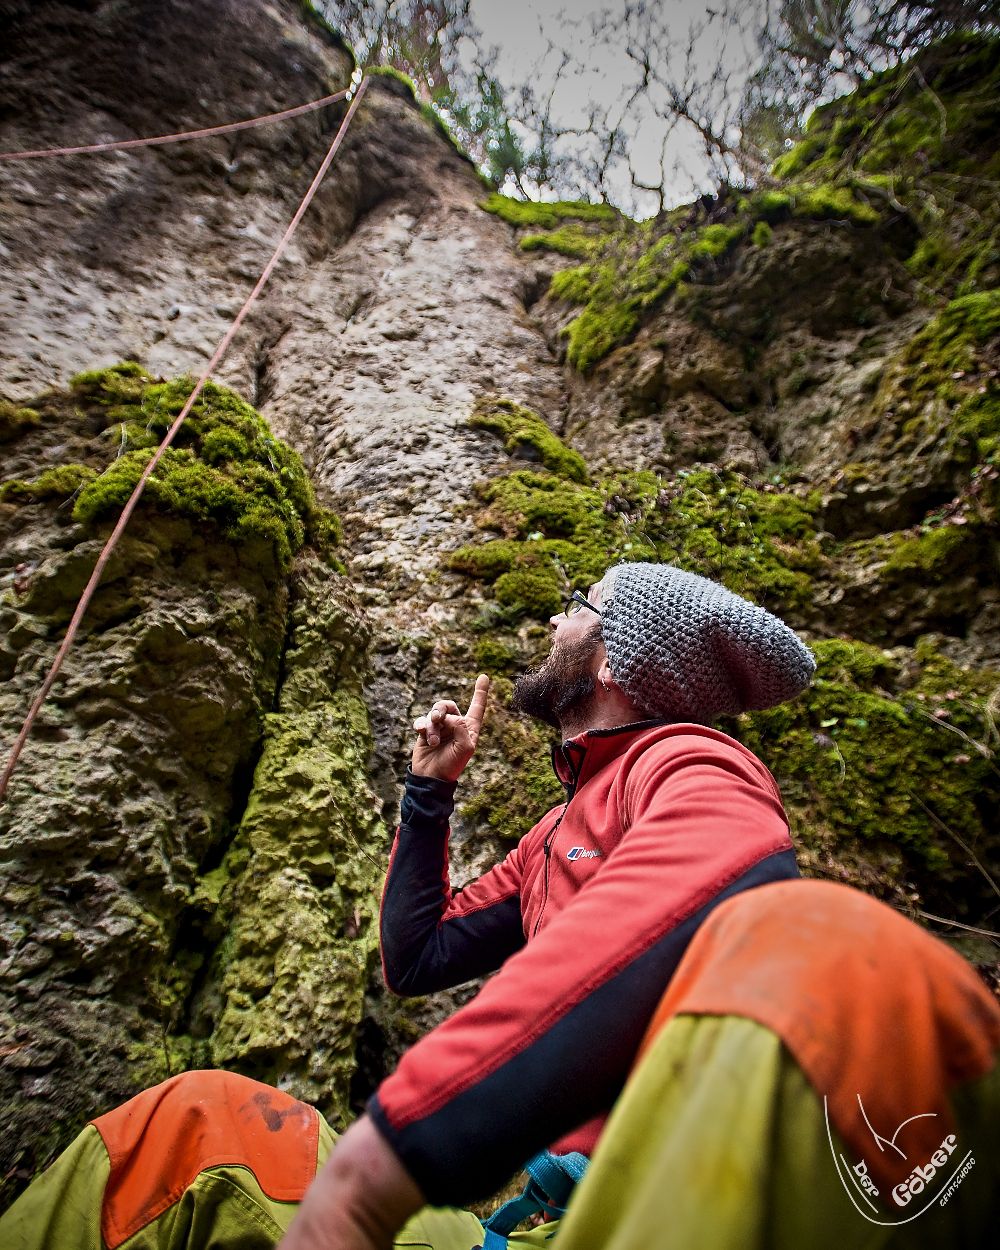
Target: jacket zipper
x=550 y=836
x=547 y=851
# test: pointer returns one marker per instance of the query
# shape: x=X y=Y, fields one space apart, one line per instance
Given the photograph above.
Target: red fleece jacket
x=588 y=917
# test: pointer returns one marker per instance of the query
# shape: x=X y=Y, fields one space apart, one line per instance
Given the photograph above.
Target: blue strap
x=549 y=1177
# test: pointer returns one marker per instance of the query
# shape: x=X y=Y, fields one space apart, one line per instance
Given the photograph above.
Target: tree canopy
x=731 y=89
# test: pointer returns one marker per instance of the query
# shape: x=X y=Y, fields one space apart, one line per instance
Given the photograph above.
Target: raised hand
x=446 y=739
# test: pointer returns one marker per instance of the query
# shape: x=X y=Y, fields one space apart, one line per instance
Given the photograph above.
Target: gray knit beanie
x=683 y=647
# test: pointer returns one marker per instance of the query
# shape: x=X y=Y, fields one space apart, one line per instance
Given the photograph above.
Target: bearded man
x=590 y=914
x=658 y=910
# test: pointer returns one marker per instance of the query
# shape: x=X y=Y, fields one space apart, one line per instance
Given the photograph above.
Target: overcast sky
x=520 y=30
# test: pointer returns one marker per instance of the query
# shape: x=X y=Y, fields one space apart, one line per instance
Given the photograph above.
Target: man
x=590 y=915
x=669 y=867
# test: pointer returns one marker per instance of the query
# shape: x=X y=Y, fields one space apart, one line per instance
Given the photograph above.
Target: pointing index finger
x=477 y=708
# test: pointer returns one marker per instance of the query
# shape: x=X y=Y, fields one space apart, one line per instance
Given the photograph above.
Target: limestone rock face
x=283 y=998
x=196 y=912
x=150 y=253
x=124 y=797
x=193 y=845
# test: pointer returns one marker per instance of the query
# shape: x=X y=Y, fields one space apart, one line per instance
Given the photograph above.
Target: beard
x=563 y=685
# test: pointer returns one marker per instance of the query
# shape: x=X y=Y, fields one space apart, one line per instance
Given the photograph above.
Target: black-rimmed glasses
x=578 y=600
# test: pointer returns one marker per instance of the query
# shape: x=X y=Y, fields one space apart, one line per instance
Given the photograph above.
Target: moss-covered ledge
x=125 y=800
x=552 y=527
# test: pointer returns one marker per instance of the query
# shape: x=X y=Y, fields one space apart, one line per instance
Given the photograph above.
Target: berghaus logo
x=579 y=852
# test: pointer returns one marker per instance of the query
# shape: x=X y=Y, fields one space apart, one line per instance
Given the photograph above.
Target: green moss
x=924 y=143
x=715 y=241
x=485 y=561
x=762 y=234
x=822 y=200
x=128 y=435
x=872 y=767
x=826 y=201
x=247 y=503
x=976 y=423
x=530 y=592
x=390 y=71
x=301 y=878
x=566 y=241
x=556 y=533
x=124 y=381
x=799 y=158
x=494 y=656
x=61 y=482
x=14 y=421
x=932 y=553
x=770 y=205
x=597 y=331
x=526 y=503
x=525 y=434
x=947 y=342
x=573 y=285
x=942 y=388
x=325 y=530
x=224 y=444
x=636 y=272
x=547 y=216
x=224 y=467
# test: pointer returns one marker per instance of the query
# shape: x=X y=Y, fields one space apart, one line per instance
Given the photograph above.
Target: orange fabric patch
x=883 y=1018
x=160 y=1140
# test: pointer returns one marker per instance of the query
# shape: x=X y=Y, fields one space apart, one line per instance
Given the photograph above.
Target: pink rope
x=120 y=145
x=129 y=508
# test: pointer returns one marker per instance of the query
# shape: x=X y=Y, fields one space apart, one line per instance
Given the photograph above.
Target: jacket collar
x=578 y=758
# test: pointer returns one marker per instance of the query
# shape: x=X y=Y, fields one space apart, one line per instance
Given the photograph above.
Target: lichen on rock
x=283 y=998
x=123 y=804
x=886 y=765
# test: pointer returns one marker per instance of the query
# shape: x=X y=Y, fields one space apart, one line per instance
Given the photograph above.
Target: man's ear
x=604 y=674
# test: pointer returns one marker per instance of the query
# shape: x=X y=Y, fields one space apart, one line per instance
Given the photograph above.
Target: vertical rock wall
x=283 y=997
x=194 y=841
x=126 y=792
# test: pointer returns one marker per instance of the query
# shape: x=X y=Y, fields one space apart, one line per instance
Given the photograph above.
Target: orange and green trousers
x=820 y=1073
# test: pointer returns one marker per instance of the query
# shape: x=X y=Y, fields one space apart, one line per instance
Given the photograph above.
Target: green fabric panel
x=222 y=1209
x=540 y=1236
x=719 y=1140
x=441 y=1228
x=972 y=1215
x=62 y=1207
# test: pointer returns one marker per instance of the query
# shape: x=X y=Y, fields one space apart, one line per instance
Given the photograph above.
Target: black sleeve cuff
x=428 y=802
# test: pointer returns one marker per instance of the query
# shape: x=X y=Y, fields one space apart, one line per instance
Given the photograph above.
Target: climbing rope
x=168 y=438
x=120 y=145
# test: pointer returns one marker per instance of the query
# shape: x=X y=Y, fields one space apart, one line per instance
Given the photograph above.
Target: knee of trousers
x=160 y=1141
